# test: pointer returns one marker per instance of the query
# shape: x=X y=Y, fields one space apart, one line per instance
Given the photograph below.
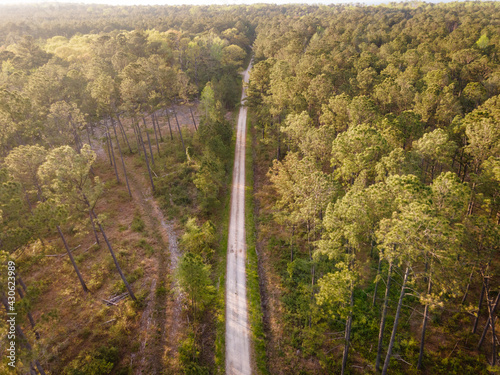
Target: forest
x=372 y=182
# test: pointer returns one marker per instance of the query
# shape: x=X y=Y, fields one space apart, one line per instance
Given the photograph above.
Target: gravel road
x=237 y=327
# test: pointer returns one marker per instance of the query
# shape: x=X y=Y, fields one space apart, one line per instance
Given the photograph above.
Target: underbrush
x=253 y=285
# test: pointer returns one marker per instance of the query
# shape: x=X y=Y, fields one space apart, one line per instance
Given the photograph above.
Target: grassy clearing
x=253 y=287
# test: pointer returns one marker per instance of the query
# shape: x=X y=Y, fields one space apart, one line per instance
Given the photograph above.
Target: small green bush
x=188 y=354
x=137 y=223
x=135 y=275
x=161 y=290
x=98 y=362
x=143 y=244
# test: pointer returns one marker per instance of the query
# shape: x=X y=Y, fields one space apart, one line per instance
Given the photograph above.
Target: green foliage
x=227 y=90
x=335 y=291
x=356 y=152
x=482 y=131
x=450 y=196
x=146 y=246
x=98 y=362
x=233 y=56
x=314 y=143
x=189 y=356
x=136 y=275
x=199 y=240
x=304 y=190
x=137 y=224
x=194 y=279
x=483 y=41
x=14 y=216
x=252 y=268
x=215 y=135
x=66 y=177
x=23 y=163
x=207 y=103
x=208 y=180
x=174 y=189
x=161 y=290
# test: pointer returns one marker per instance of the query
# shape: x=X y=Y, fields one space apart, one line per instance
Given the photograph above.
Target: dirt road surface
x=237 y=327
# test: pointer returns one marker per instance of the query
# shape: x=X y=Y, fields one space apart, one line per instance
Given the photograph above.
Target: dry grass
x=71 y=322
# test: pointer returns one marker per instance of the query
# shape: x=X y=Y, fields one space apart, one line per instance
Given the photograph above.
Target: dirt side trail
x=237 y=326
x=161 y=320
x=161 y=323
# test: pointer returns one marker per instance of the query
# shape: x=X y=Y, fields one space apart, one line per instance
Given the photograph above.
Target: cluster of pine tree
x=82 y=83
x=380 y=129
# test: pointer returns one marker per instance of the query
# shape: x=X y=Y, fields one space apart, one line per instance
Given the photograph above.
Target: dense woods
x=379 y=208
x=376 y=151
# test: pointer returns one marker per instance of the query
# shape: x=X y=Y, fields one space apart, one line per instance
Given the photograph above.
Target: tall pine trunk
x=155 y=121
x=27 y=345
x=492 y=319
x=109 y=149
x=179 y=129
x=131 y=293
x=28 y=313
x=383 y=318
x=169 y=126
x=192 y=116
x=21 y=282
x=424 y=327
x=470 y=208
x=78 y=141
x=112 y=153
x=156 y=135
x=93 y=229
x=137 y=141
x=127 y=285
x=487 y=326
x=468 y=287
x=348 y=333
x=121 y=157
x=20 y=334
x=149 y=141
x=72 y=259
x=396 y=321
x=376 y=283
x=481 y=297
x=146 y=156
x=122 y=129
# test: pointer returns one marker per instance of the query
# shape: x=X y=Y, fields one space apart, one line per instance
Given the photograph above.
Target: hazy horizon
x=216 y=2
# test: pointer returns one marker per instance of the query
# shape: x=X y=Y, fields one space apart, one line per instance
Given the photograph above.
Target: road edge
x=258 y=337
